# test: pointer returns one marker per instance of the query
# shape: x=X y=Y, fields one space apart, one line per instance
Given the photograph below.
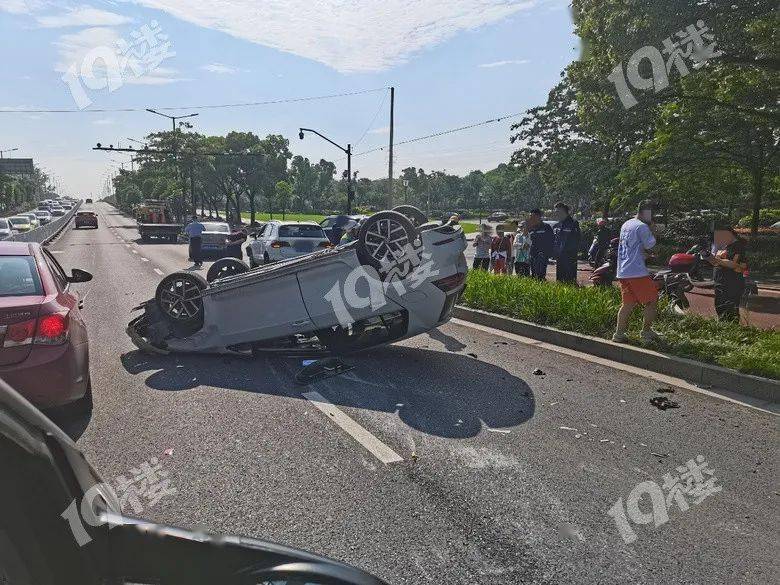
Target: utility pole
x=176 y=150
x=347 y=151
x=390 y=163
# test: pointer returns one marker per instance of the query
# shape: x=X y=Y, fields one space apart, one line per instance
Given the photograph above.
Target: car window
x=56 y=270
x=3 y=224
x=301 y=231
x=19 y=220
x=328 y=222
x=19 y=276
x=216 y=227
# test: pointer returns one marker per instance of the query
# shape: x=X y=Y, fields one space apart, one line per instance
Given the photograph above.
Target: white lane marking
x=377 y=448
x=158 y=271
x=57 y=251
x=134 y=251
x=144 y=259
x=127 y=245
x=753 y=403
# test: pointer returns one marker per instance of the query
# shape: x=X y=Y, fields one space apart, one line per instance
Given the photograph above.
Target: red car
x=86 y=218
x=44 y=352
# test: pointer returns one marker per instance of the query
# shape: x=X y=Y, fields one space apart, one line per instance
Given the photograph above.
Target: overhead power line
x=196 y=107
x=444 y=132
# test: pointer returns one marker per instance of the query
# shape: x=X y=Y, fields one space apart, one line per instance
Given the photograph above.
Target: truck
x=154 y=220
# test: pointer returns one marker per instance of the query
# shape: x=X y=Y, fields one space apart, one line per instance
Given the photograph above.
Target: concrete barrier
x=45 y=233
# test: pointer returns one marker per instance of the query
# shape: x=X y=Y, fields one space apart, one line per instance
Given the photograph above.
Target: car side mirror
x=78 y=275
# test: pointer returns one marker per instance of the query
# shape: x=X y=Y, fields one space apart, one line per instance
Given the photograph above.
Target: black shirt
x=541 y=240
x=726 y=276
x=567 y=237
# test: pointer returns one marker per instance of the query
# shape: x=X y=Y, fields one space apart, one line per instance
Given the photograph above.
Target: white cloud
x=503 y=63
x=20 y=6
x=82 y=16
x=350 y=36
x=74 y=49
x=220 y=68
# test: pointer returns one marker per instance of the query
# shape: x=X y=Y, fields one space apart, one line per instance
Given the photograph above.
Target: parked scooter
x=605 y=274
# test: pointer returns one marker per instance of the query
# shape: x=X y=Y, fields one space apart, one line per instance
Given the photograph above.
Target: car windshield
x=301 y=231
x=3 y=224
x=42 y=213
x=19 y=220
x=216 y=227
x=19 y=276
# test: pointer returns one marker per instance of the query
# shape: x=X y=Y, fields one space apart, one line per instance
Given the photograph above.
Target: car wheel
x=226 y=267
x=178 y=297
x=384 y=239
x=414 y=214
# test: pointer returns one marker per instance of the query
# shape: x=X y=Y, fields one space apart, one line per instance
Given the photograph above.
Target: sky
x=452 y=62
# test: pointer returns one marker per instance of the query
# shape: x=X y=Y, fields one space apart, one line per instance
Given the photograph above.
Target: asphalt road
x=506 y=477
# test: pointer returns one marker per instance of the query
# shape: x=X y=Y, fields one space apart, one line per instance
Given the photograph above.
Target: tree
x=283 y=192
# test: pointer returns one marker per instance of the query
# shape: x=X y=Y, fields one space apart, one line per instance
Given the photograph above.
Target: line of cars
x=47 y=210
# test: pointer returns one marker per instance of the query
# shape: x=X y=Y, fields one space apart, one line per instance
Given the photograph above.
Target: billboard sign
x=16 y=166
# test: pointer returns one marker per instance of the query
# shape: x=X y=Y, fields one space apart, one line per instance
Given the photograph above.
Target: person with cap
x=482 y=243
x=520 y=249
x=194 y=231
x=729 y=268
x=636 y=285
x=566 y=246
x=542 y=237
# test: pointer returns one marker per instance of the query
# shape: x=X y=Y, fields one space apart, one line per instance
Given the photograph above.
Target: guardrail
x=46 y=232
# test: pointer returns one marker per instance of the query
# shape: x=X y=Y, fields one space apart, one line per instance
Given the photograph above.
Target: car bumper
x=51 y=376
x=86 y=224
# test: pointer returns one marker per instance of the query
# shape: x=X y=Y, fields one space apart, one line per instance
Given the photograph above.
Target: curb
x=695 y=372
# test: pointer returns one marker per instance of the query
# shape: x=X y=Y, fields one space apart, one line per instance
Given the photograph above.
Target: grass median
x=593 y=311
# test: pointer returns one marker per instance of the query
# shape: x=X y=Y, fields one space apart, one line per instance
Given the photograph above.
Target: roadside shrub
x=766 y=217
x=593 y=311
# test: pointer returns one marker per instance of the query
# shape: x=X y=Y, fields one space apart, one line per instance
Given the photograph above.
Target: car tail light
x=450 y=283
x=52 y=329
x=20 y=333
x=280 y=244
x=325 y=245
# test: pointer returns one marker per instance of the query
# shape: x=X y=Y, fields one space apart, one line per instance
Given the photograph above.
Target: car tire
x=178 y=297
x=414 y=214
x=226 y=267
x=372 y=247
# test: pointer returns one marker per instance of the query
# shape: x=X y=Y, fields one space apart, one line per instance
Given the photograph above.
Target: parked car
x=44 y=352
x=43 y=215
x=498 y=216
x=44 y=205
x=67 y=206
x=57 y=211
x=88 y=200
x=20 y=223
x=336 y=225
x=85 y=219
x=281 y=240
x=215 y=239
x=34 y=222
x=5 y=229
x=290 y=306
x=55 y=501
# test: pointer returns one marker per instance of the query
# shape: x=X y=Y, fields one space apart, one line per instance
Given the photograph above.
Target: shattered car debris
x=401 y=277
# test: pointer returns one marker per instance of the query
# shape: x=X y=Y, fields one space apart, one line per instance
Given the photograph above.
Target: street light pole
x=347 y=151
x=176 y=150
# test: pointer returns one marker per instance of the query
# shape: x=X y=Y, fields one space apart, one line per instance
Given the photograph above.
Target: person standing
x=567 y=244
x=500 y=249
x=728 y=274
x=194 y=231
x=636 y=285
x=542 y=237
x=482 y=243
x=520 y=250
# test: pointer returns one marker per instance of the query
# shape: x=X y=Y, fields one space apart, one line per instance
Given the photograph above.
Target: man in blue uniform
x=542 y=238
x=567 y=244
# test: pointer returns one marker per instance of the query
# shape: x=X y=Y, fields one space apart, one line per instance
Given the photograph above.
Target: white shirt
x=635 y=239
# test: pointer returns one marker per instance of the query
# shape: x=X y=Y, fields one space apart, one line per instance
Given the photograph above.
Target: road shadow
x=72 y=424
x=444 y=394
x=449 y=342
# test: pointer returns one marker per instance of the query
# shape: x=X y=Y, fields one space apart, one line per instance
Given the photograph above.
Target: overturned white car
x=400 y=277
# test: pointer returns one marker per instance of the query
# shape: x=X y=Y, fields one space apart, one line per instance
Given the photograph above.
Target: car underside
x=400 y=278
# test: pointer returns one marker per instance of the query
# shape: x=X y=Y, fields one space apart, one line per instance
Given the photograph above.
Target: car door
x=67 y=297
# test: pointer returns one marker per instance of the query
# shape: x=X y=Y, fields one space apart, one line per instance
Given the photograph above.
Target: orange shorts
x=638 y=290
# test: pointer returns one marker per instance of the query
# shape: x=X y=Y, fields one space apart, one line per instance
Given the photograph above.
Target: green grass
x=287 y=216
x=468 y=227
x=593 y=311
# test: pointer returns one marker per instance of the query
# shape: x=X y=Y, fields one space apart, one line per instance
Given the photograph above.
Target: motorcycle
x=604 y=275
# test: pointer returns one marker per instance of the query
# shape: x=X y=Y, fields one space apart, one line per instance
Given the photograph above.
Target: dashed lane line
x=376 y=447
